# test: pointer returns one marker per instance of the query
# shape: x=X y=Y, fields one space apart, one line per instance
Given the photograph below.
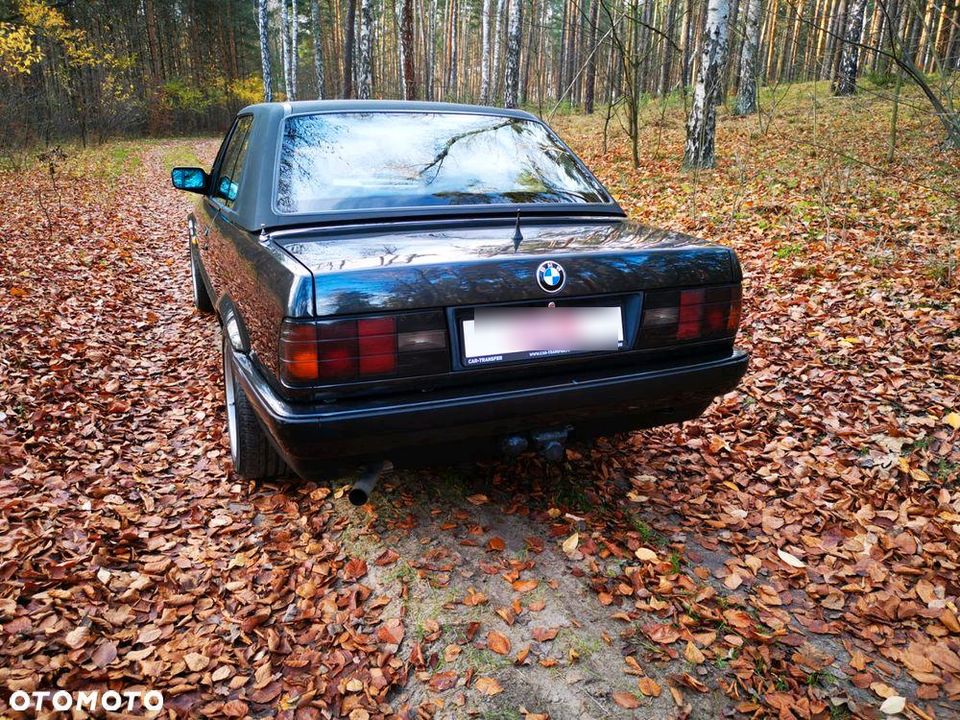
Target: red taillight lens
x=337 y=349
x=733 y=317
x=674 y=316
x=691 y=311
x=378 y=346
x=332 y=351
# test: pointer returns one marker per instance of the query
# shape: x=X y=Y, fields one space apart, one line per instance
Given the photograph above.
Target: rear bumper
x=313 y=437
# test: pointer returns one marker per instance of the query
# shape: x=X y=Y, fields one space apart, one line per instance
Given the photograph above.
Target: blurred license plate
x=510 y=334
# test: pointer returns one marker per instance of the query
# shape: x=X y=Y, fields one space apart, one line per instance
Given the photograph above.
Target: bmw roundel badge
x=550 y=276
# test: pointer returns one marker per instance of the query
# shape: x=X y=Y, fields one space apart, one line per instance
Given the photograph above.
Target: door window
x=230 y=174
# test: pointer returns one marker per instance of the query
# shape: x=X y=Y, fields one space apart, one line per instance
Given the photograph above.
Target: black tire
x=254 y=458
x=201 y=298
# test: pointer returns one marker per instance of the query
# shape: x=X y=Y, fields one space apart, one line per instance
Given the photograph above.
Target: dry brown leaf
x=649 y=687
x=523 y=586
x=498 y=643
x=626 y=700
x=196 y=662
x=791 y=560
x=488 y=686
x=692 y=654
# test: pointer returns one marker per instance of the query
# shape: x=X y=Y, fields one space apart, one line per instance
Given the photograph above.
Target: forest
x=92 y=69
x=793 y=553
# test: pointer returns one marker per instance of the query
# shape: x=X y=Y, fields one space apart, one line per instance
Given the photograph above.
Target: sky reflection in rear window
x=350 y=161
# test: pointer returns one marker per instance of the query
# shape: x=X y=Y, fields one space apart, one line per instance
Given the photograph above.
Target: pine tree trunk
x=747 y=91
x=511 y=88
x=686 y=44
x=348 y=45
x=701 y=125
x=365 y=68
x=485 y=52
x=666 y=58
x=317 y=45
x=265 y=50
x=406 y=45
x=591 y=83
x=846 y=79
x=153 y=41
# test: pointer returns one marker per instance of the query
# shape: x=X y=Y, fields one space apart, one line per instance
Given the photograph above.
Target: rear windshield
x=348 y=161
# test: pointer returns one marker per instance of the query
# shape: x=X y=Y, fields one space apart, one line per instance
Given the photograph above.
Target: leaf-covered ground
x=793 y=553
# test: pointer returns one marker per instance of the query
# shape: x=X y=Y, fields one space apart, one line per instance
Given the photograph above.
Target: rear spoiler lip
x=472 y=219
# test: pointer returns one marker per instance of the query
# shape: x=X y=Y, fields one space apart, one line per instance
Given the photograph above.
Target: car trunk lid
x=398 y=268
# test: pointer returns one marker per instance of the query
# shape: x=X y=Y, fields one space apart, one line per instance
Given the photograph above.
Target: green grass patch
x=785 y=252
x=180 y=156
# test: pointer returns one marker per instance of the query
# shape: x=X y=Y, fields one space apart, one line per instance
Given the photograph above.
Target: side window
x=231 y=167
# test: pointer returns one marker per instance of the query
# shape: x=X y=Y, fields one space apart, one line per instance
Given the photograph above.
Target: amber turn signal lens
x=298 y=352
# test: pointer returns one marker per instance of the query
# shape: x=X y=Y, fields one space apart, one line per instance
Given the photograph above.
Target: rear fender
x=233 y=325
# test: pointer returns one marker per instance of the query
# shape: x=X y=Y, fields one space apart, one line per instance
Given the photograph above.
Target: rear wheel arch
x=252 y=453
x=233 y=325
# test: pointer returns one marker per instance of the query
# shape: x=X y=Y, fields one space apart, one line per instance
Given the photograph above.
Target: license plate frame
x=474 y=354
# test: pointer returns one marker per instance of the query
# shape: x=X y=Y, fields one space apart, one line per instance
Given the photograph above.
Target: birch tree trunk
x=747 y=91
x=845 y=82
x=485 y=52
x=317 y=45
x=265 y=51
x=511 y=86
x=406 y=50
x=702 y=123
x=294 y=45
x=454 y=10
x=348 y=44
x=285 y=48
x=498 y=43
x=365 y=65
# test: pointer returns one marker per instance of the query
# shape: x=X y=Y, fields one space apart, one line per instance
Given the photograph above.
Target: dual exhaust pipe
x=551 y=444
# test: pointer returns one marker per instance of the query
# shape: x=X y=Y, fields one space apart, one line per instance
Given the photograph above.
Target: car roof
x=316 y=106
x=253 y=209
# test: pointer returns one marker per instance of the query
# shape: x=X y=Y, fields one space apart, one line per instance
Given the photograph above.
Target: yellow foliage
x=248 y=90
x=18 y=52
x=20 y=46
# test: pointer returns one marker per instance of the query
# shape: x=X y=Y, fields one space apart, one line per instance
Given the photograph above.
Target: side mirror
x=190 y=179
x=228 y=189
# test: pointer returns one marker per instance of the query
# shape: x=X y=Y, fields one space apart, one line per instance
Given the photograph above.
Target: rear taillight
x=696 y=314
x=330 y=351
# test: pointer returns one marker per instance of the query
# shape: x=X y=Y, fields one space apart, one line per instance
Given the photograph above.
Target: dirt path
x=131 y=555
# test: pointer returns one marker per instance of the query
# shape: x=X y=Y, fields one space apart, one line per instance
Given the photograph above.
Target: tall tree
x=406 y=50
x=845 y=82
x=485 y=52
x=265 y=50
x=511 y=84
x=702 y=121
x=294 y=48
x=349 y=35
x=285 y=48
x=316 y=29
x=591 y=82
x=498 y=22
x=365 y=65
x=747 y=90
